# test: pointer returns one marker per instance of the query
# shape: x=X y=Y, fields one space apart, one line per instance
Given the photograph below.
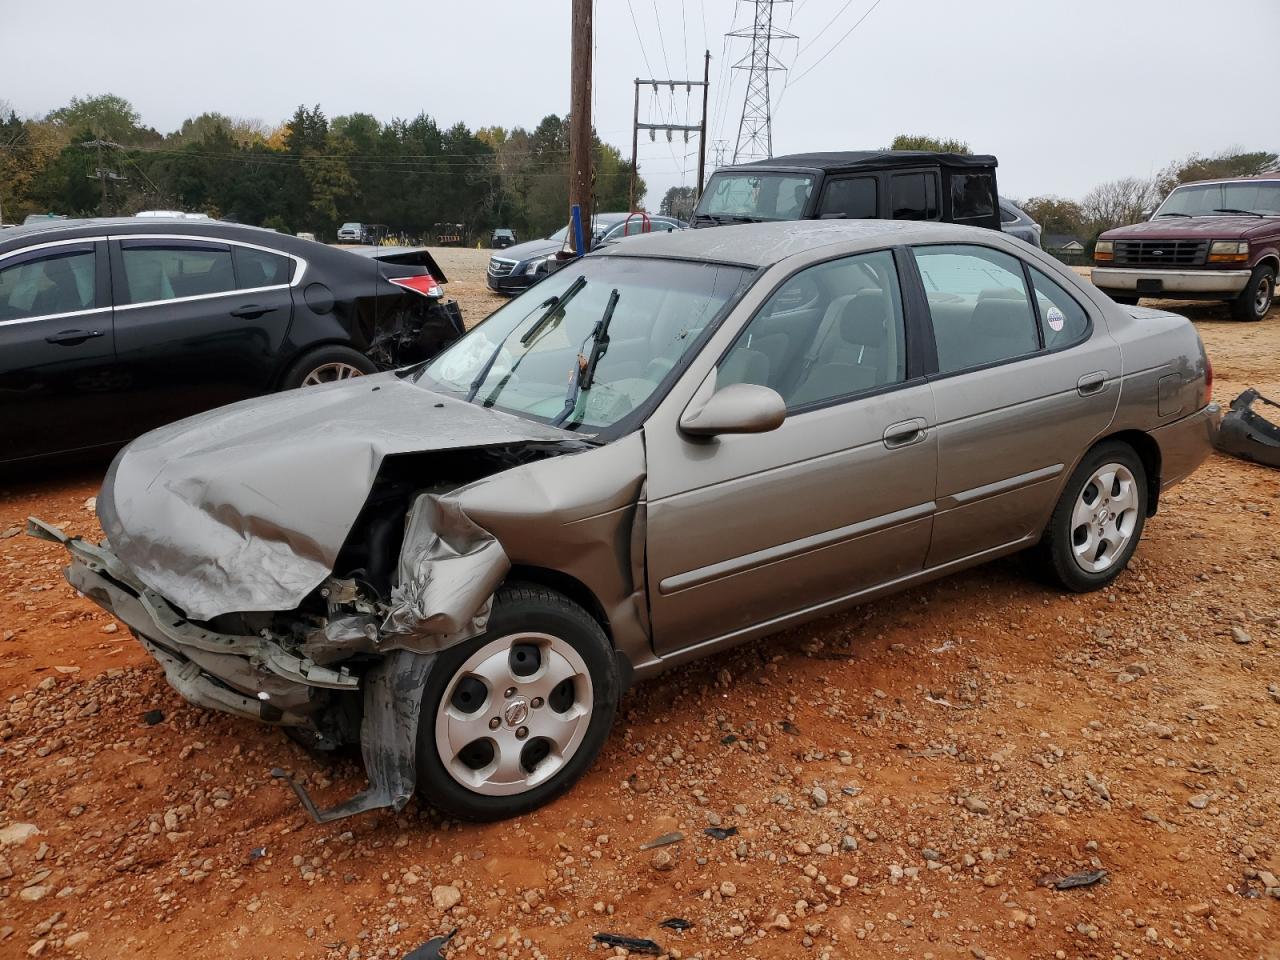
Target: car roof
x=853 y=159
x=764 y=244
x=143 y=226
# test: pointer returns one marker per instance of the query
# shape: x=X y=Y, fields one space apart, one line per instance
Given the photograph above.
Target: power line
x=755 y=128
x=661 y=42
x=817 y=36
x=838 y=42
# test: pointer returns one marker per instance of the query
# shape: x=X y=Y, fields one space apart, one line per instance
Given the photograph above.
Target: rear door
x=1026 y=379
x=57 y=383
x=199 y=323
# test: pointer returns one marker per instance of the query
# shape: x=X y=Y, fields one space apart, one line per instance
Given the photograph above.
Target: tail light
x=424 y=284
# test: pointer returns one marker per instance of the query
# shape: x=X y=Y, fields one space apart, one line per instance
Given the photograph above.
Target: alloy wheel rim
x=514 y=714
x=1104 y=518
x=331 y=373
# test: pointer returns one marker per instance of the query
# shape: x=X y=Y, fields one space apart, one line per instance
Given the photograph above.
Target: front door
x=744 y=530
x=199 y=323
x=56 y=350
x=1026 y=380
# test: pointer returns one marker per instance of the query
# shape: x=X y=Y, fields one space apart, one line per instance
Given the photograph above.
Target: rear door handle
x=251 y=310
x=69 y=338
x=905 y=432
x=1092 y=383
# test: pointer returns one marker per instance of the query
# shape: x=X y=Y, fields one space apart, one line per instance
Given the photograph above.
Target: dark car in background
x=1211 y=240
x=854 y=185
x=1017 y=223
x=503 y=238
x=109 y=328
x=524 y=264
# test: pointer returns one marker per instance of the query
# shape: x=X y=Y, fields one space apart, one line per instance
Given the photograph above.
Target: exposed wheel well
x=1274 y=263
x=571 y=587
x=1149 y=452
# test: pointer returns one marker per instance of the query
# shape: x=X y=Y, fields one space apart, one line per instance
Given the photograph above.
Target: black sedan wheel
x=327 y=365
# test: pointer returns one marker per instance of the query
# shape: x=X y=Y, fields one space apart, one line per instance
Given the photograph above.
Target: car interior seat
x=62 y=293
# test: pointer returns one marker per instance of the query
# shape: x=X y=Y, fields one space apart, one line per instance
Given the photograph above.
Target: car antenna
x=584 y=371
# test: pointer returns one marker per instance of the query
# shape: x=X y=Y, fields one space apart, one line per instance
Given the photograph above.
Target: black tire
x=519 y=608
x=1124 y=301
x=322 y=357
x=1056 y=551
x=1257 y=297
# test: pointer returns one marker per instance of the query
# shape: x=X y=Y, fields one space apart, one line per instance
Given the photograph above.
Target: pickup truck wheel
x=1098 y=521
x=511 y=719
x=1257 y=296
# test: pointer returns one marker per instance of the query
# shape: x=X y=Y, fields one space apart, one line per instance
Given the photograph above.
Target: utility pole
x=755 y=129
x=700 y=128
x=101 y=173
x=580 y=177
x=702 y=136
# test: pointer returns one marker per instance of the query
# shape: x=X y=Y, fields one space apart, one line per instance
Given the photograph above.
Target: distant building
x=1062 y=243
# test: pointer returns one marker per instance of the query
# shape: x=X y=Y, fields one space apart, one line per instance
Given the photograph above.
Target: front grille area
x=1161 y=253
x=500 y=268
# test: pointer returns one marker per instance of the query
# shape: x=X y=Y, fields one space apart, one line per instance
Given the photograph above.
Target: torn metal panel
x=393 y=690
x=1246 y=433
x=245 y=508
x=449 y=569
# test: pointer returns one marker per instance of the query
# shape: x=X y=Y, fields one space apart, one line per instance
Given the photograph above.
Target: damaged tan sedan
x=671 y=446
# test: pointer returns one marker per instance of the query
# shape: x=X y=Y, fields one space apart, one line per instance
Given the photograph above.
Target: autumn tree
x=107 y=116
x=678 y=202
x=914 y=141
x=1219 y=166
x=1056 y=215
x=1118 y=202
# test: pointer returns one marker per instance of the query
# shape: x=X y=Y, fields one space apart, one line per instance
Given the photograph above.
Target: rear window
x=914 y=196
x=972 y=196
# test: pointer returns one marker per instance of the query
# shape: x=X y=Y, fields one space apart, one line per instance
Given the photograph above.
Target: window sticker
x=1056 y=319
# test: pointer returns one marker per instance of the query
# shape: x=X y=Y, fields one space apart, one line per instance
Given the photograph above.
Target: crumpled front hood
x=245 y=508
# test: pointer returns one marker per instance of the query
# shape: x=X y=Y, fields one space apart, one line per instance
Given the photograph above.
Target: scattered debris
x=676 y=923
x=667 y=838
x=944 y=702
x=788 y=727
x=721 y=833
x=634 y=944
x=152 y=717
x=728 y=739
x=1073 y=880
x=1248 y=434
x=10 y=533
x=431 y=950
x=257 y=853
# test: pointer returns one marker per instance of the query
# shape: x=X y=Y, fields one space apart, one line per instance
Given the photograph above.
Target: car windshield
x=756 y=196
x=535 y=347
x=350 y=226
x=1212 y=199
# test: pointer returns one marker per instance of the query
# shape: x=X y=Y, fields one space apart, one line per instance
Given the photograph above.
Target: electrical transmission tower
x=755 y=129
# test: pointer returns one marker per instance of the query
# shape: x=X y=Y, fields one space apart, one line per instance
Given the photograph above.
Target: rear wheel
x=511 y=719
x=327 y=365
x=1257 y=296
x=1099 y=518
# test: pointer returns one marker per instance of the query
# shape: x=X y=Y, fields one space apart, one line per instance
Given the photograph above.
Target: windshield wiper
x=1247 y=213
x=729 y=218
x=550 y=306
x=584 y=372
x=1173 y=214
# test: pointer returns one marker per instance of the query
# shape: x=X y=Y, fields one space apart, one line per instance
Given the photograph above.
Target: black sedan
x=109 y=328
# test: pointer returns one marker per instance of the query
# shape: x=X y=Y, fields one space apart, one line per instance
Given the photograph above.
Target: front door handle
x=1092 y=383
x=252 y=310
x=905 y=432
x=69 y=338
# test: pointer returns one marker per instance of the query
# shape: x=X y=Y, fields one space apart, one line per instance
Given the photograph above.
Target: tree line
x=309 y=173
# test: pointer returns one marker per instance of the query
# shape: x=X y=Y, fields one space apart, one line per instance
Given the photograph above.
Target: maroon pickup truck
x=1213 y=240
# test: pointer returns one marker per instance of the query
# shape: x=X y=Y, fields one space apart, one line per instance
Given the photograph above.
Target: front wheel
x=1099 y=518
x=513 y=718
x=1258 y=295
x=327 y=365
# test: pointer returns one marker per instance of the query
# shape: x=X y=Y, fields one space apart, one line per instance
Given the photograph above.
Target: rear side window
x=854 y=198
x=972 y=196
x=41 y=283
x=914 y=196
x=1062 y=320
x=162 y=270
x=979 y=305
x=260 y=268
x=1007 y=215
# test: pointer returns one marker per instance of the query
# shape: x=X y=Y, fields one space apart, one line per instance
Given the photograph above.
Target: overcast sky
x=1066 y=94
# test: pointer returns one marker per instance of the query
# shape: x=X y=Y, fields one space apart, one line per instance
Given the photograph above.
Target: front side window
x=526 y=357
x=61 y=280
x=973 y=196
x=914 y=196
x=167 y=270
x=979 y=305
x=854 y=198
x=1062 y=320
x=831 y=330
x=756 y=196
x=260 y=268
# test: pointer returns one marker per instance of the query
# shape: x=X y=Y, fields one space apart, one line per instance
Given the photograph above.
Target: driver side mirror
x=737 y=408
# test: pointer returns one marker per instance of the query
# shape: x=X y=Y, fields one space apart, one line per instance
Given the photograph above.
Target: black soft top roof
x=838 y=160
